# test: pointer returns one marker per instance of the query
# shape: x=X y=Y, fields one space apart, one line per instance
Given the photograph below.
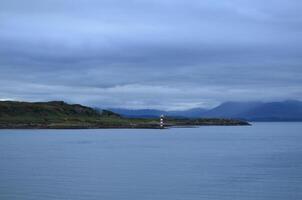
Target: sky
x=162 y=54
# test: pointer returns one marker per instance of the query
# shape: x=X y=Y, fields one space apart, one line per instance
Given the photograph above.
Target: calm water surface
x=263 y=161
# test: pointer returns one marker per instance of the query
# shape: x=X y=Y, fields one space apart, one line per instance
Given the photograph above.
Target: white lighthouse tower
x=161 y=121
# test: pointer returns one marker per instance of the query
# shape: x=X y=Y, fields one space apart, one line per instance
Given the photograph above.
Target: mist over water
x=260 y=162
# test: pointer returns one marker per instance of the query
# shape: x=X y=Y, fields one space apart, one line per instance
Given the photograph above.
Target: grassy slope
x=58 y=114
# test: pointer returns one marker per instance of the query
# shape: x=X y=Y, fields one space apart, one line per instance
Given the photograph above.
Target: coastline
x=60 y=115
x=175 y=124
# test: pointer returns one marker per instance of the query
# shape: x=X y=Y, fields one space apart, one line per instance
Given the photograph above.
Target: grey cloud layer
x=163 y=54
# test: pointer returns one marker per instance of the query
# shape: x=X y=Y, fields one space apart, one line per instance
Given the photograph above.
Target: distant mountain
x=275 y=111
x=191 y=113
x=258 y=111
x=140 y=113
x=231 y=109
x=153 y=113
x=253 y=111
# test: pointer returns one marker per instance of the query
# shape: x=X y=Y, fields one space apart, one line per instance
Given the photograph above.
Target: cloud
x=164 y=54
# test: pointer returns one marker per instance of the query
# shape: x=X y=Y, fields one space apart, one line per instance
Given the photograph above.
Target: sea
x=258 y=162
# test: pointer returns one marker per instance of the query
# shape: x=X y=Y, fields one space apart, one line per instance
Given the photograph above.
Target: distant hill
x=253 y=111
x=49 y=112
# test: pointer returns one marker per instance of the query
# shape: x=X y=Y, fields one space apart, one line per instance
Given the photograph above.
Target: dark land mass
x=60 y=115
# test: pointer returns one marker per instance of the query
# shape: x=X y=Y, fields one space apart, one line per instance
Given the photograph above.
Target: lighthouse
x=161 y=121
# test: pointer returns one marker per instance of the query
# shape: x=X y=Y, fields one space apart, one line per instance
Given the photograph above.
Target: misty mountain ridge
x=290 y=110
x=151 y=113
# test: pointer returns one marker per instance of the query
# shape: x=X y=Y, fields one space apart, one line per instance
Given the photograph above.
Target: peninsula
x=61 y=115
